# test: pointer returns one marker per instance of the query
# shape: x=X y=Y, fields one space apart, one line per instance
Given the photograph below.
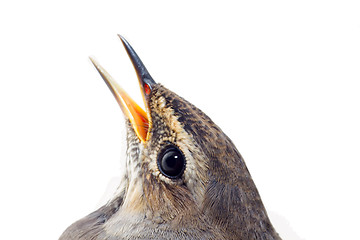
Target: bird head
x=183 y=174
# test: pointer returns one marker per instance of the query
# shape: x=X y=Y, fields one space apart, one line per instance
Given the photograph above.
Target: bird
x=183 y=178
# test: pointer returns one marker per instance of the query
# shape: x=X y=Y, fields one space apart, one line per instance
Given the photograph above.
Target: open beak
x=139 y=118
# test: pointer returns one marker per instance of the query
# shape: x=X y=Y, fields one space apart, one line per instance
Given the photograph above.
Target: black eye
x=171 y=162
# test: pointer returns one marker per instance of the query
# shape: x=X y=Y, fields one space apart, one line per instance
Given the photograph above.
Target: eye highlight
x=171 y=162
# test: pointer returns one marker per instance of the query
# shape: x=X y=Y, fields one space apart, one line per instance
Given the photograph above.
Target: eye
x=171 y=162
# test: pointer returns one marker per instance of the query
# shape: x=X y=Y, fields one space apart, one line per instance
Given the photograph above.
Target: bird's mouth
x=140 y=119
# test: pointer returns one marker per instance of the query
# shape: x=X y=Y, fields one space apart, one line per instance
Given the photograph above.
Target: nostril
x=147 y=89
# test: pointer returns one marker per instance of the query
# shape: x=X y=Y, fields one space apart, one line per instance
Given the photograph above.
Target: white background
x=281 y=78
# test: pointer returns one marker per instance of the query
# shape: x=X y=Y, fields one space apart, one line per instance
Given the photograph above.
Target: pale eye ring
x=171 y=162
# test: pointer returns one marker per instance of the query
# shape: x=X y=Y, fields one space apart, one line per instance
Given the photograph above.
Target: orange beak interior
x=137 y=116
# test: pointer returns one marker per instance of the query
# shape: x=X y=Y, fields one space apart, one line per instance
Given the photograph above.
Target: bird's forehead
x=165 y=105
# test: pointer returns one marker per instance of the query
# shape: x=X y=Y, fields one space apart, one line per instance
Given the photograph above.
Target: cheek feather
x=134 y=198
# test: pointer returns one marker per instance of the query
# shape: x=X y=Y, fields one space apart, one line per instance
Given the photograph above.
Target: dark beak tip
x=140 y=69
x=124 y=41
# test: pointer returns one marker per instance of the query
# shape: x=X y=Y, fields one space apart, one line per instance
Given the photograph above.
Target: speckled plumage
x=215 y=198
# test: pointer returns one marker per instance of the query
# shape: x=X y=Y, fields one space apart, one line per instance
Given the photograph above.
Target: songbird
x=184 y=178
